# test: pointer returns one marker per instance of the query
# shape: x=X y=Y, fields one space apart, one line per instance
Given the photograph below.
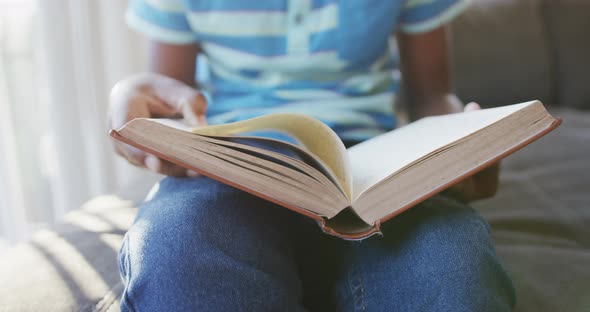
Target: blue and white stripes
x=325 y=58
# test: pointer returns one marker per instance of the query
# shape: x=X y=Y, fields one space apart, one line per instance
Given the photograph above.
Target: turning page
x=316 y=137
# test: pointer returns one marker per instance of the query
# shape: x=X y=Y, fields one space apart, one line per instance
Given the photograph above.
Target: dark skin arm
x=427 y=91
x=175 y=61
x=426 y=74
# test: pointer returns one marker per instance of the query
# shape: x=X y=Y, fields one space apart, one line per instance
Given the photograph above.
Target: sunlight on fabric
x=52 y=269
x=94 y=216
x=64 y=253
x=89 y=222
x=111 y=240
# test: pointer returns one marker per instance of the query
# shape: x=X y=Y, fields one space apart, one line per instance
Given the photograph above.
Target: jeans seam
x=127 y=266
x=356 y=277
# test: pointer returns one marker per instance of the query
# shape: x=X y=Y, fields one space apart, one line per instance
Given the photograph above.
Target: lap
x=198 y=243
x=234 y=248
x=438 y=256
x=212 y=211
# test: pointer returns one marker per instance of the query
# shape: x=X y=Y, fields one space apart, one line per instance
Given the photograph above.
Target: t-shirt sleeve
x=419 y=16
x=162 y=20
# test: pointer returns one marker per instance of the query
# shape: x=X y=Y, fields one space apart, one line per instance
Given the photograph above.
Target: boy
x=200 y=245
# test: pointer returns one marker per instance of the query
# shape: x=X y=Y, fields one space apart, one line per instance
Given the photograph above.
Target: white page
x=376 y=159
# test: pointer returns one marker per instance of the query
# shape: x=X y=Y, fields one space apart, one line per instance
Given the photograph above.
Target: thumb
x=472 y=106
x=193 y=109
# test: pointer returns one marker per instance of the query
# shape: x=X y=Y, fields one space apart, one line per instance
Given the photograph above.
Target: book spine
x=357 y=236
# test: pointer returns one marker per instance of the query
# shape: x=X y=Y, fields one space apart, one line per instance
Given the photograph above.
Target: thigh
x=438 y=256
x=199 y=244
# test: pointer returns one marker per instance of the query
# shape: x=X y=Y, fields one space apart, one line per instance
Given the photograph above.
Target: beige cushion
x=540 y=218
x=500 y=53
x=568 y=25
x=72 y=267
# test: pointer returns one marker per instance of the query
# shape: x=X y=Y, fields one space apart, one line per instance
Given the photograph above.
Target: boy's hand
x=154 y=96
x=483 y=184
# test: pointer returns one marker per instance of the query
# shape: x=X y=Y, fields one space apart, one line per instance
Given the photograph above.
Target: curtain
x=58 y=62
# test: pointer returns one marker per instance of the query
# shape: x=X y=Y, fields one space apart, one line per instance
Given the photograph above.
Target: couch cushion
x=568 y=25
x=500 y=53
x=540 y=218
x=72 y=267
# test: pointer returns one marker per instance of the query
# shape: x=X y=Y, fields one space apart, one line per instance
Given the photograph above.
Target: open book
x=349 y=192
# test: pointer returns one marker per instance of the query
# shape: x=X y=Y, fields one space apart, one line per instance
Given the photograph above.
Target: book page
x=315 y=136
x=289 y=154
x=374 y=160
x=269 y=175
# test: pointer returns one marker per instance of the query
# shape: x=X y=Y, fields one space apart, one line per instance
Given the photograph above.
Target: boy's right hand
x=154 y=96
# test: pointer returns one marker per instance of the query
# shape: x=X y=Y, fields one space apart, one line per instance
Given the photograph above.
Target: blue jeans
x=199 y=245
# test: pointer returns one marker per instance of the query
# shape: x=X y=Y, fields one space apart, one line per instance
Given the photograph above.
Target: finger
x=481 y=185
x=138 y=107
x=173 y=92
x=491 y=170
x=194 y=109
x=471 y=107
x=168 y=97
x=158 y=165
x=159 y=108
x=463 y=191
x=192 y=174
x=170 y=169
x=487 y=181
x=133 y=155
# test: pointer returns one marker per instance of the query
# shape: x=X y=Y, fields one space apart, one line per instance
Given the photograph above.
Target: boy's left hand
x=483 y=184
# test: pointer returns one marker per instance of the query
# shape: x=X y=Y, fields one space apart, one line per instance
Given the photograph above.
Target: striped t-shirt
x=329 y=59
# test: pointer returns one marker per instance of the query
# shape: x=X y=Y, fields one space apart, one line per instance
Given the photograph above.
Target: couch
x=503 y=51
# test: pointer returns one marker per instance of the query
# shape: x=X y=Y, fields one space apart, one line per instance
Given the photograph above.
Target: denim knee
x=458 y=249
x=196 y=241
x=438 y=256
